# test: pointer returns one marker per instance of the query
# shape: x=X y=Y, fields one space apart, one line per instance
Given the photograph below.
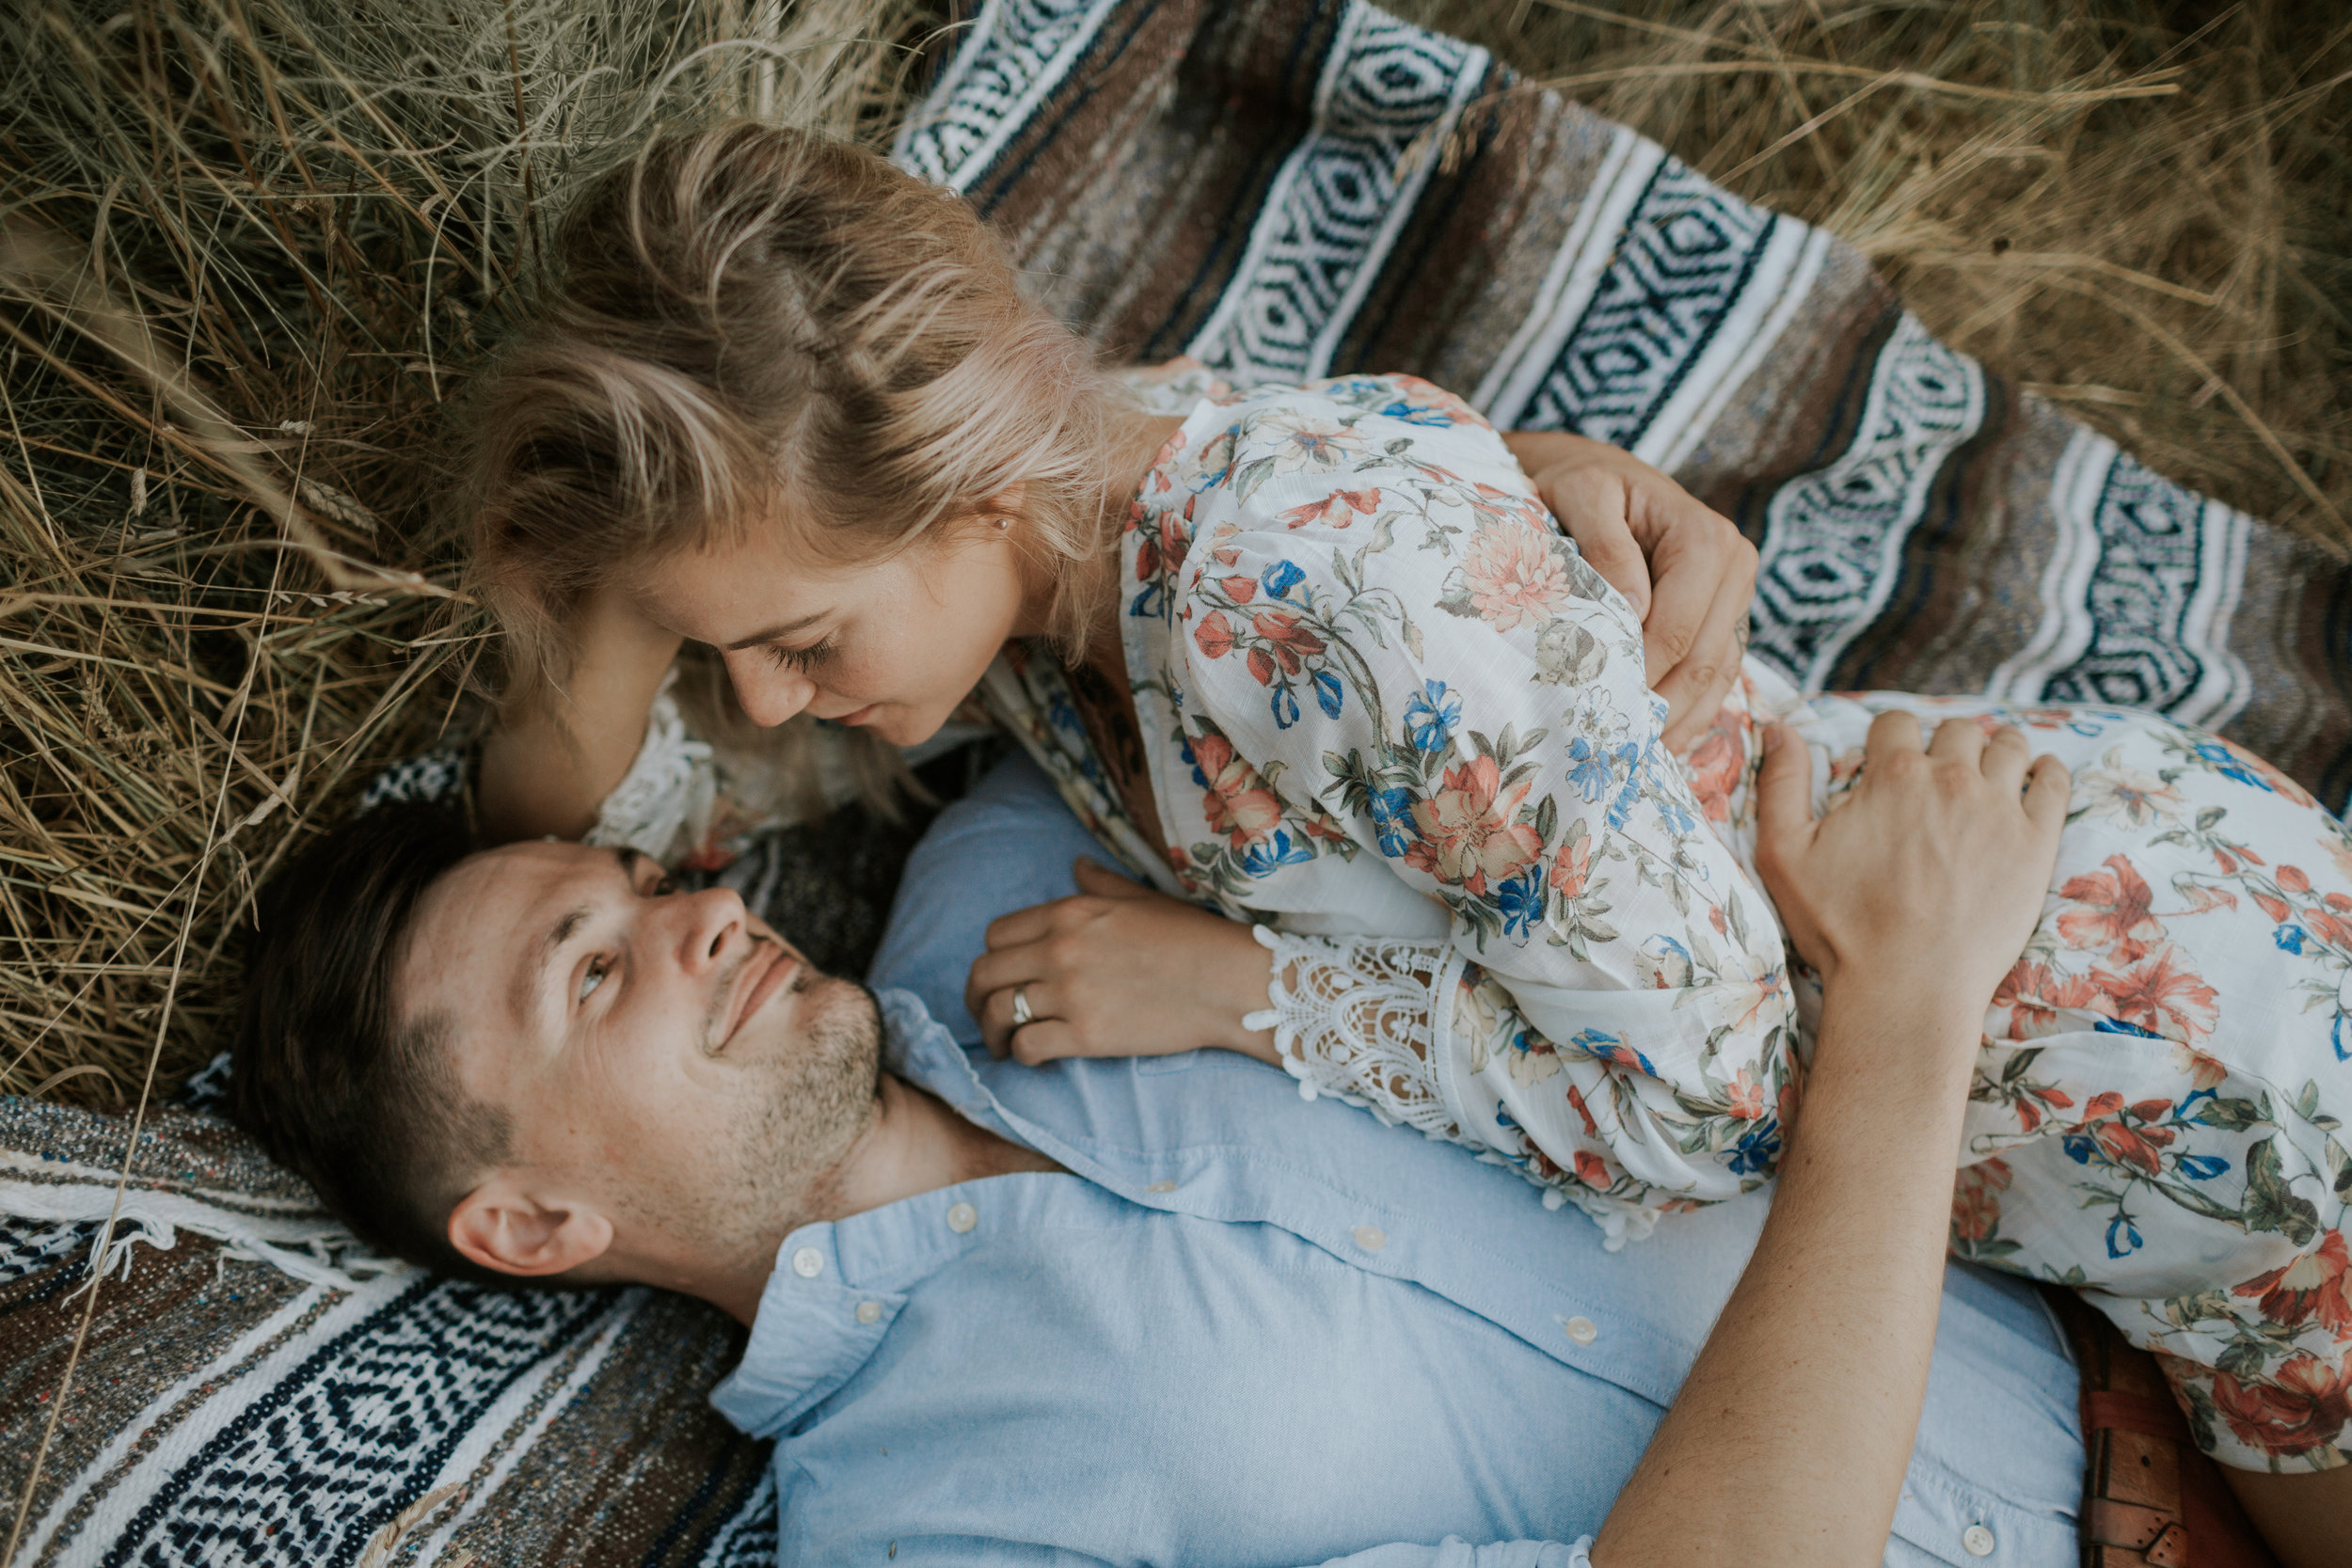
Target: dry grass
x=258 y=243
x=248 y=249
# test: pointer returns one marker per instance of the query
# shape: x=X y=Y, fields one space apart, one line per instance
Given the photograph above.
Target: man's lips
x=769 y=970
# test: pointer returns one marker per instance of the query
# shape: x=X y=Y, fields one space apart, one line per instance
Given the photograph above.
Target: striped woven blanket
x=1283 y=188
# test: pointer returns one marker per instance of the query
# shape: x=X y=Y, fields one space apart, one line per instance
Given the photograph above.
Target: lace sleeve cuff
x=1350 y=1017
x=664 y=800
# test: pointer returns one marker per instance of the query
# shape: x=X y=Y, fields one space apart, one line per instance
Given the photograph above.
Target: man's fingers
x=1591 y=505
x=1896 y=729
x=2047 y=794
x=2006 y=755
x=1958 y=740
x=1784 y=791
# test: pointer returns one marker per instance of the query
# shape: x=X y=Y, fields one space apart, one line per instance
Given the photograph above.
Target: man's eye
x=665 y=887
x=597 y=970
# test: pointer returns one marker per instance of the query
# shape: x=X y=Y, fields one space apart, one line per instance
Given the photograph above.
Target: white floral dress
x=1390 y=715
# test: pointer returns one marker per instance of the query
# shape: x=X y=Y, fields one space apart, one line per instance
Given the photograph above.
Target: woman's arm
x=555 y=756
x=1788 y=1442
x=1684 y=568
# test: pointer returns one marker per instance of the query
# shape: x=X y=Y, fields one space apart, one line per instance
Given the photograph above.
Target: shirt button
x=1978 y=1540
x=1582 y=1330
x=963 y=1217
x=869 y=1311
x=1371 y=1238
x=808 y=1262
x=1161 y=1187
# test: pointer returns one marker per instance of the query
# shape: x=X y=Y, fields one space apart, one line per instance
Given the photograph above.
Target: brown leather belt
x=2150 y=1498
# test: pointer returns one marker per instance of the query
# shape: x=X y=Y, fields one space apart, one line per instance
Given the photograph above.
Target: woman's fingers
x=994 y=974
x=996 y=1013
x=1892 y=733
x=1102 y=882
x=1049 y=1040
x=1021 y=926
x=1695 y=687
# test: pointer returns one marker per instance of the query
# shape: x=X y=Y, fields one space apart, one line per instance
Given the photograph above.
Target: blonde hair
x=759 y=328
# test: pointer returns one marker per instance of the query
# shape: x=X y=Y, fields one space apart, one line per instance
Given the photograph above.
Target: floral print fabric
x=1381 y=695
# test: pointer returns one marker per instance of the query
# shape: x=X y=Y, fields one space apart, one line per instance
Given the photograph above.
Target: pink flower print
x=1747 y=1096
x=2174 y=1003
x=1590 y=1170
x=1514 y=576
x=1976 y=1200
x=2131 y=1146
x=1468 y=838
x=2034 y=993
x=1288 y=640
x=2115 y=908
x=1237 y=803
x=1713 y=768
x=1214 y=636
x=1572 y=866
x=2303 y=1407
x=2312 y=1287
x=1336 y=510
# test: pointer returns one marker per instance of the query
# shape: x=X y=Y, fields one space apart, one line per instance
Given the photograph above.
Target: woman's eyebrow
x=781 y=628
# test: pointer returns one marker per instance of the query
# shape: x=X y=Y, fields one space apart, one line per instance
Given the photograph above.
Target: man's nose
x=769 y=695
x=716 y=925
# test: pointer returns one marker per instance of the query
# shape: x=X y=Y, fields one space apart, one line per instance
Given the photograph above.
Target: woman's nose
x=769 y=695
x=715 y=923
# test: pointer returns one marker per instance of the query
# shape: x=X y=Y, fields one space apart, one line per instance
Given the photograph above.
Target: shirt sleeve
x=1431 y=673
x=1454 y=1552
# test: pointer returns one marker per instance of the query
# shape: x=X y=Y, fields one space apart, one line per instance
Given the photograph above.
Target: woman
x=1341 y=678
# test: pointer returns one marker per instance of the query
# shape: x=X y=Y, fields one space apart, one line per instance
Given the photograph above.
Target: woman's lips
x=762 y=986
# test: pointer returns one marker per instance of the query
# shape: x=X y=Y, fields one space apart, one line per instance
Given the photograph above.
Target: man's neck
x=915 y=1145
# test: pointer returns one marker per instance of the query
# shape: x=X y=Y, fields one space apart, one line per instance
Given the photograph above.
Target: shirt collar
x=814 y=1328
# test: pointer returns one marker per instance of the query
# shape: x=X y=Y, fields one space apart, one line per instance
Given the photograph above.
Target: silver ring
x=1021 y=1013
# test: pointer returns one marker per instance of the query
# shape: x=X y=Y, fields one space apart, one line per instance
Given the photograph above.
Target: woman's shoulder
x=1334 y=429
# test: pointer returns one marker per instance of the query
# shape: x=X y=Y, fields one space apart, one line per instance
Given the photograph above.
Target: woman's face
x=890 y=647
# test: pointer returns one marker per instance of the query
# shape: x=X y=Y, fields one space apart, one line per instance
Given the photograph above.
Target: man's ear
x=499 y=1226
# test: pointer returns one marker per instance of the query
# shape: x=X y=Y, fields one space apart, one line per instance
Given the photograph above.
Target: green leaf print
x=2269 y=1204
x=2230 y=1116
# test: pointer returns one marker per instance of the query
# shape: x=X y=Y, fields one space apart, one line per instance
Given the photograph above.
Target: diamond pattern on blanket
x=1389 y=96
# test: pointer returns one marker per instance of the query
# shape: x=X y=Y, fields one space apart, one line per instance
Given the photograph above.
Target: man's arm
x=1788 y=1442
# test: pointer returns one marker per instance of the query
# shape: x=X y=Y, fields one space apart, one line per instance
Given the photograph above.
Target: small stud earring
x=1004 y=525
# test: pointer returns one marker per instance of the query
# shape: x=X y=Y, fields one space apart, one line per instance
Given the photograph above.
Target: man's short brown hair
x=337 y=1084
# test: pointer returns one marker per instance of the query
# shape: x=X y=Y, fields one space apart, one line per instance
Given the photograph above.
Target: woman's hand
x=1931 y=872
x=1119 y=970
x=1685 y=569
x=555 y=756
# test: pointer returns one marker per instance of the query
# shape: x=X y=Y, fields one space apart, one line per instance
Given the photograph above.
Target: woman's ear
x=500 y=1226
x=1003 y=509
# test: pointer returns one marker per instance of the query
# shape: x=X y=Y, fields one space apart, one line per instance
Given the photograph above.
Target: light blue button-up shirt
x=1250 y=1329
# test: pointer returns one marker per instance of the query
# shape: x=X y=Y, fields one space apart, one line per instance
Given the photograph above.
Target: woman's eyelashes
x=801 y=658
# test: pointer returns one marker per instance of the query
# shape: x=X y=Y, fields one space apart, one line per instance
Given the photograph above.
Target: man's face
x=663 y=1058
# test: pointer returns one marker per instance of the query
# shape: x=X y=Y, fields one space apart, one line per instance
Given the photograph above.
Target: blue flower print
x=2117 y=1026
x=1274 y=851
x=2203 y=1168
x=1601 y=1046
x=1392 y=821
x=1430 y=717
x=1588 y=770
x=1416 y=413
x=1521 y=900
x=2122 y=1237
x=1758 y=1148
x=1328 y=693
x=2229 y=767
x=1284 y=702
x=1280 y=579
x=2289 y=938
x=2078 y=1146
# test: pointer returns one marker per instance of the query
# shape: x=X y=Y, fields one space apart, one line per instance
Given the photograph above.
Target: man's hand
x=1686 y=570
x=1932 y=872
x=1120 y=970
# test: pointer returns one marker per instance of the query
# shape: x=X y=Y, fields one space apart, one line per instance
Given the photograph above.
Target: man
x=1165 y=1310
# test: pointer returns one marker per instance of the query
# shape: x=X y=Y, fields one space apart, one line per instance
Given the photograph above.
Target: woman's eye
x=597 y=970
x=801 y=658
